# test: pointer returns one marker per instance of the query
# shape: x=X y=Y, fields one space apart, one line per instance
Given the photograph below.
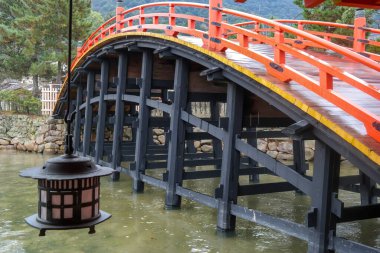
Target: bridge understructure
x=117 y=84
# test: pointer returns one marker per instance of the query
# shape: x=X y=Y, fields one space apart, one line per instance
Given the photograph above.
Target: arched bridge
x=301 y=81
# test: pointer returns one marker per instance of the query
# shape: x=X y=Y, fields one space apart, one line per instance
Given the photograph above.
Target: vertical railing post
x=172 y=22
x=279 y=55
x=215 y=31
x=143 y=121
x=119 y=113
x=227 y=192
x=276 y=68
x=101 y=124
x=359 y=33
x=88 y=113
x=141 y=19
x=177 y=134
x=119 y=16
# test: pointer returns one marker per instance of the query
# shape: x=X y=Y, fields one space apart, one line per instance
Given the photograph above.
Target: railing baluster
x=141 y=19
x=359 y=33
x=119 y=16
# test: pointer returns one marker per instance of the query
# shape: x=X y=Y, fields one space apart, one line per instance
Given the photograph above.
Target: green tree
x=34 y=35
x=328 y=11
x=21 y=100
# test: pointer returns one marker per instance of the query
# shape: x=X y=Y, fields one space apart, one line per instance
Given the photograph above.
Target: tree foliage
x=33 y=35
x=265 y=8
x=21 y=101
x=328 y=11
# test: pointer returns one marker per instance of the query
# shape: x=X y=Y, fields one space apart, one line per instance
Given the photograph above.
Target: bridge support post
x=299 y=158
x=88 y=113
x=177 y=134
x=190 y=148
x=143 y=120
x=119 y=114
x=325 y=184
x=227 y=191
x=217 y=144
x=99 y=145
x=367 y=187
x=254 y=178
x=78 y=117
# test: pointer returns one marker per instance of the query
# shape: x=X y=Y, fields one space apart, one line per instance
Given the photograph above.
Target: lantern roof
x=67 y=167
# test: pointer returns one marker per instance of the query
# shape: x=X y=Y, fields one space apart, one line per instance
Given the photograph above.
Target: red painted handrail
x=217 y=34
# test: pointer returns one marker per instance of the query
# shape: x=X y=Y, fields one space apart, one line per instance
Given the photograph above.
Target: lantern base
x=32 y=221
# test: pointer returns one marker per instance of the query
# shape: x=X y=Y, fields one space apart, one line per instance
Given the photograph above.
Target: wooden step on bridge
x=277 y=78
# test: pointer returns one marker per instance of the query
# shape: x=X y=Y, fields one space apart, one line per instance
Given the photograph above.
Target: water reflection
x=141 y=224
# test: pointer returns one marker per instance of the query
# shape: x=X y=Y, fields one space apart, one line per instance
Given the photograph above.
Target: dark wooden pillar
x=325 y=184
x=143 y=120
x=227 y=191
x=367 y=187
x=100 y=129
x=217 y=144
x=190 y=148
x=119 y=114
x=177 y=134
x=299 y=156
x=254 y=178
x=88 y=113
x=78 y=117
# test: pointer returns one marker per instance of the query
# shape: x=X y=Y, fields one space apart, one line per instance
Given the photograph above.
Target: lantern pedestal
x=33 y=221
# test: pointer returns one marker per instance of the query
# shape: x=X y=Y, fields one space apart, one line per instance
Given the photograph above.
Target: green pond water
x=141 y=224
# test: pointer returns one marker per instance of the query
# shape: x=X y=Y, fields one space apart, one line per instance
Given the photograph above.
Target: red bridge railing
x=217 y=34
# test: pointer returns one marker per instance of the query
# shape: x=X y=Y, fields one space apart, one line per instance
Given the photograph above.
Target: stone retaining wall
x=32 y=133
x=41 y=134
x=279 y=148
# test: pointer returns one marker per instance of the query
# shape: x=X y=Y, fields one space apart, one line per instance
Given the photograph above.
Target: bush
x=21 y=101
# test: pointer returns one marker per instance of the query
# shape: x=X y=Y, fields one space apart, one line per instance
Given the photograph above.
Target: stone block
x=29 y=145
x=161 y=139
x=4 y=142
x=206 y=142
x=51 y=121
x=40 y=148
x=262 y=145
x=272 y=153
x=54 y=133
x=285 y=157
x=309 y=154
x=53 y=139
x=285 y=147
x=51 y=145
x=272 y=145
x=206 y=148
x=20 y=147
x=158 y=131
x=40 y=139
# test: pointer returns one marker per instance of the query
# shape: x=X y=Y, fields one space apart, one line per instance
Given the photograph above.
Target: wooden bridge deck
x=345 y=125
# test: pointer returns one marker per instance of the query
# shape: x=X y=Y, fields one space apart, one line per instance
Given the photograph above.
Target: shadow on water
x=141 y=224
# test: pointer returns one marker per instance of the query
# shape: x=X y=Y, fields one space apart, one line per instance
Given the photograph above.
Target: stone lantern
x=69 y=191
